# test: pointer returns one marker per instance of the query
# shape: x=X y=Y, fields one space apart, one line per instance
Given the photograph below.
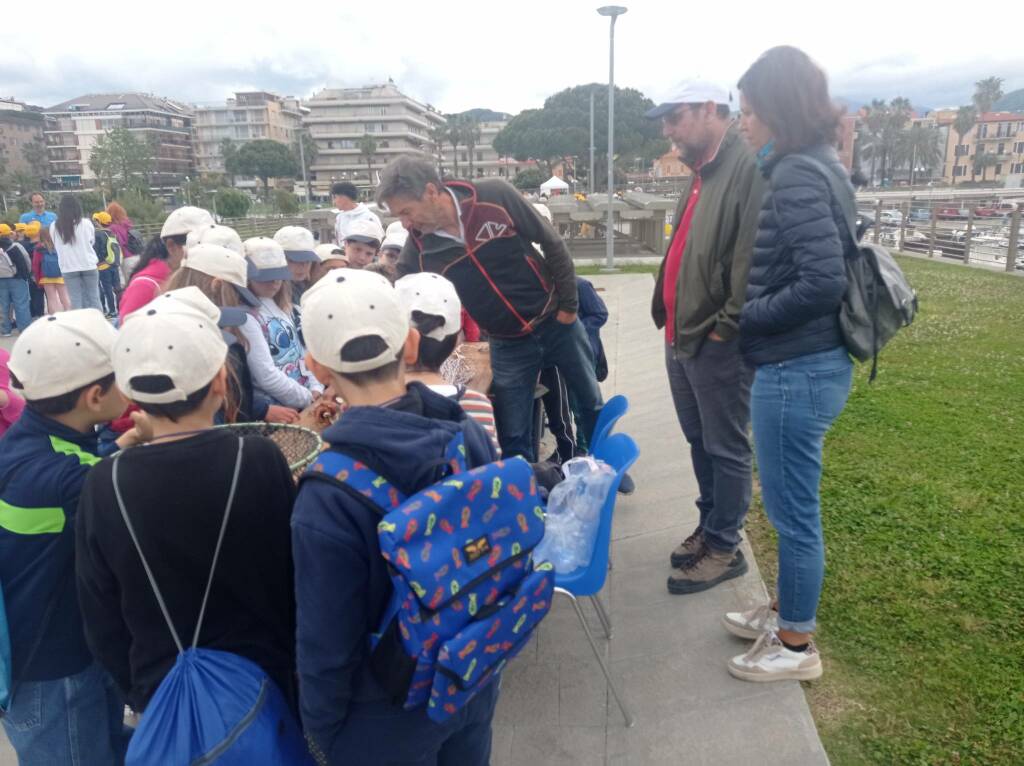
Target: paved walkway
x=667 y=652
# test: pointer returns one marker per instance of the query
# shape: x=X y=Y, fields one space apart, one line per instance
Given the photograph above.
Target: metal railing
x=984 y=236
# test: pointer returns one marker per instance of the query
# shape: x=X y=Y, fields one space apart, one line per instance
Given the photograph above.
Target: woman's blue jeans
x=793 y=405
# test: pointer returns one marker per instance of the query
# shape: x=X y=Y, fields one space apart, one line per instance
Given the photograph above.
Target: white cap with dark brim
x=691 y=92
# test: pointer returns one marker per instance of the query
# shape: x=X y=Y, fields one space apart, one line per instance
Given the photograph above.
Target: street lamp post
x=613 y=12
x=590 y=176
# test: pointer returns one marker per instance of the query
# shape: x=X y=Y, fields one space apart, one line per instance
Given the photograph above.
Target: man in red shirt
x=697 y=299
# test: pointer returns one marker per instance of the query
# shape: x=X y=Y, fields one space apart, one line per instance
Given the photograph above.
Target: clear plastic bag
x=573 y=514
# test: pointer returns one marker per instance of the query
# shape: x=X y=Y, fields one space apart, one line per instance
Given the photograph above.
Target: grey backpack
x=879 y=300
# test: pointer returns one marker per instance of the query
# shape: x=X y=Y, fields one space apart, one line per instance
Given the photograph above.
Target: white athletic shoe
x=770 y=660
x=752 y=623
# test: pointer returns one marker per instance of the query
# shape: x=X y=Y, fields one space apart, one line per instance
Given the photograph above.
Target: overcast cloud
x=507 y=55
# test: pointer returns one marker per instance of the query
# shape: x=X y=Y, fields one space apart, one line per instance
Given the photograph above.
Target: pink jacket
x=121 y=234
x=15 y=404
x=144 y=287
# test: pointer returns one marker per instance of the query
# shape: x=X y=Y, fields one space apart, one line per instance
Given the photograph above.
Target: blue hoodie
x=341 y=579
x=43 y=465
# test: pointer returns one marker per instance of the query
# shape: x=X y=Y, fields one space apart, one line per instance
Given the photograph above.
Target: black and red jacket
x=504 y=283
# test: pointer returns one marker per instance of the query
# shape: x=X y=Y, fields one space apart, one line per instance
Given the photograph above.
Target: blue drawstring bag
x=213 y=707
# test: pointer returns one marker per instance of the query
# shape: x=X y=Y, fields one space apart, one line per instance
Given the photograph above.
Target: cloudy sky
x=506 y=55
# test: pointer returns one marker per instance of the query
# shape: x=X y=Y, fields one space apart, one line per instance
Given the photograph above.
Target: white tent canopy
x=554 y=184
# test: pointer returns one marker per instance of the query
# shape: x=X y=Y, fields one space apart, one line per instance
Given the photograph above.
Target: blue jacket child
x=63 y=709
x=341 y=579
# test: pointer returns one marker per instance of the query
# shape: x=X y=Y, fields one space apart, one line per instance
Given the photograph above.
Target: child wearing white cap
x=63 y=708
x=434 y=309
x=359 y=342
x=362 y=241
x=276 y=352
x=299 y=247
x=391 y=247
x=170 y=360
x=331 y=257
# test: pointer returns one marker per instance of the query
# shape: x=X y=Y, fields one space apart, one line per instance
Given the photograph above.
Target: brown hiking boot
x=707 y=570
x=687 y=550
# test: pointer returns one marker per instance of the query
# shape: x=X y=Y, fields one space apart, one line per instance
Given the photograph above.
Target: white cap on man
x=691 y=92
x=185 y=220
x=433 y=295
x=346 y=304
x=62 y=352
x=171 y=348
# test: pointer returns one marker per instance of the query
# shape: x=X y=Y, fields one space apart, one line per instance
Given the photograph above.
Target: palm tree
x=368 y=148
x=919 y=146
x=454 y=138
x=470 y=137
x=896 y=115
x=963 y=123
x=874 y=121
x=982 y=162
x=439 y=137
x=987 y=92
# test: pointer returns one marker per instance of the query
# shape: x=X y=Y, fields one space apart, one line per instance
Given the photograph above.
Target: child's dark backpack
x=135 y=244
x=467 y=596
x=50 y=265
x=111 y=253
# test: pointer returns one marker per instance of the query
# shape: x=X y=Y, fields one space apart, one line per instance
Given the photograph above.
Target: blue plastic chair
x=620 y=452
x=613 y=409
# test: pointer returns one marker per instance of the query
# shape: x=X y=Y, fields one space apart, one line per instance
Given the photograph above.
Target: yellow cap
x=103 y=218
x=5 y=230
x=19 y=226
x=32 y=228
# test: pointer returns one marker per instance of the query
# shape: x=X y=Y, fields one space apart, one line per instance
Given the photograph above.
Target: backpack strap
x=847 y=203
x=216 y=552
x=355 y=479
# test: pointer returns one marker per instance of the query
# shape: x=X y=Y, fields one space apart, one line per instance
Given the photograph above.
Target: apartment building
x=998 y=134
x=22 y=142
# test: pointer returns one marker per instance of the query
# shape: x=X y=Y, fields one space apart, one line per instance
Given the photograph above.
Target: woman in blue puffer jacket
x=789 y=332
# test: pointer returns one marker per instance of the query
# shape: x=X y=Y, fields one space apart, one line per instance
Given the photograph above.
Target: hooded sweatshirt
x=341 y=579
x=144 y=287
x=346 y=217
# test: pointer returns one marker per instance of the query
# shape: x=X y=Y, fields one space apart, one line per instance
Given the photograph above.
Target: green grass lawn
x=921 y=624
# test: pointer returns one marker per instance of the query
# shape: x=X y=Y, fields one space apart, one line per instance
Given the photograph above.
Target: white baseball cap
x=298 y=244
x=366 y=230
x=330 y=253
x=691 y=92
x=395 y=227
x=215 y=234
x=434 y=295
x=267 y=261
x=62 y=352
x=175 y=336
x=347 y=304
x=395 y=240
x=185 y=220
x=223 y=264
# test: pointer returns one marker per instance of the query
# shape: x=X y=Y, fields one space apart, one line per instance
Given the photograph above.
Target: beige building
x=482 y=161
x=1000 y=134
x=339 y=118
x=74 y=127
x=669 y=165
x=246 y=117
x=22 y=141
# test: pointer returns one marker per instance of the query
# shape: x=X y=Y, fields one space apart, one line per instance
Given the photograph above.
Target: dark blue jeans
x=711 y=393
x=110 y=285
x=794 y=404
x=73 y=721
x=14 y=294
x=515 y=365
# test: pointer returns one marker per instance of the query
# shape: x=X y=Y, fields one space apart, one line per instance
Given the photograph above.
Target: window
x=962 y=150
x=465 y=157
x=1018 y=167
x=1002 y=147
x=1018 y=148
x=999 y=168
x=479 y=156
x=959 y=170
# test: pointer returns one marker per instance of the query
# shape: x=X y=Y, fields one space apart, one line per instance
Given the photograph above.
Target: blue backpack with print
x=467 y=595
x=50 y=265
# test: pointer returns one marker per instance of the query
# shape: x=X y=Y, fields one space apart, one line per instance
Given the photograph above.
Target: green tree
x=561 y=128
x=964 y=121
x=438 y=138
x=91 y=201
x=264 y=159
x=528 y=179
x=141 y=208
x=35 y=156
x=470 y=137
x=919 y=146
x=121 y=161
x=875 y=116
x=285 y=202
x=233 y=203
x=23 y=183
x=454 y=136
x=897 y=114
x=229 y=152
x=367 y=149
x=982 y=162
x=986 y=93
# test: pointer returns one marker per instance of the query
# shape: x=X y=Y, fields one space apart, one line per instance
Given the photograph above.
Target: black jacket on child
x=175 y=494
x=342 y=583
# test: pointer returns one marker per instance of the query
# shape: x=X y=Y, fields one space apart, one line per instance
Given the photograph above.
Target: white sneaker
x=752 y=623
x=770 y=660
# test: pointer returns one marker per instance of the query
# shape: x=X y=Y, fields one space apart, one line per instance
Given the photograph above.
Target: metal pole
x=933 y=233
x=591 y=176
x=905 y=212
x=968 y=234
x=609 y=234
x=1011 y=249
x=302 y=161
x=878 y=221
